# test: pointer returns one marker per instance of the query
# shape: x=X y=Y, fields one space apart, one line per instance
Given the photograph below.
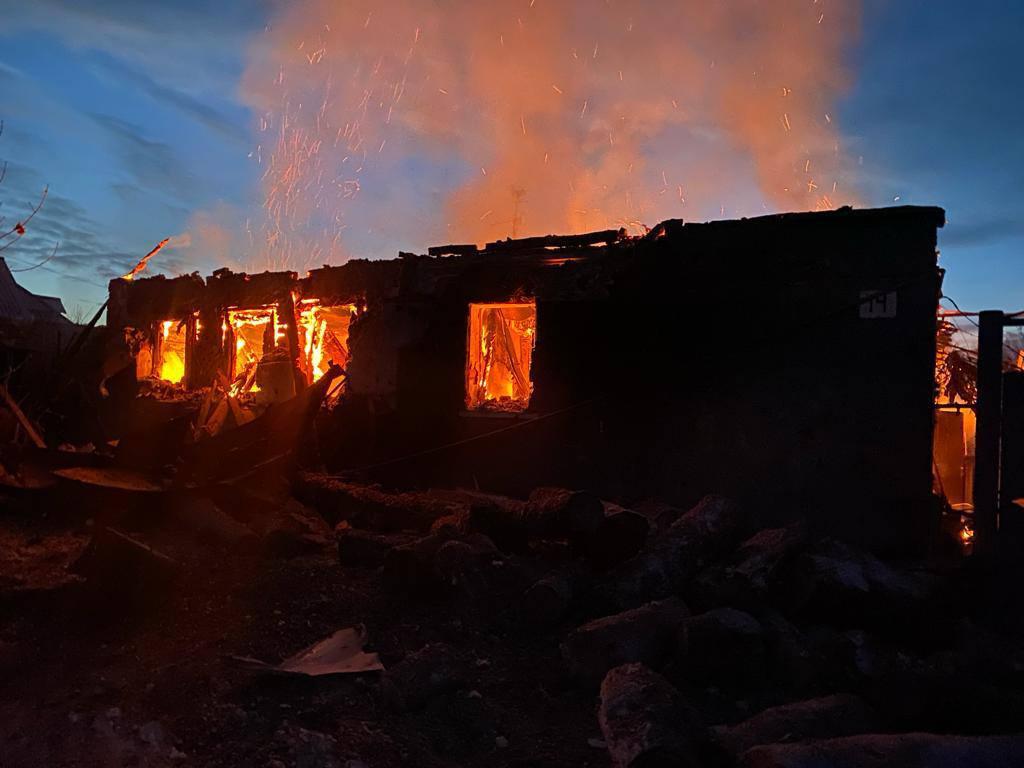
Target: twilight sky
x=132 y=113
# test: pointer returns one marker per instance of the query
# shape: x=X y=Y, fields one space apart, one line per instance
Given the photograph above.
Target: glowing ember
x=500 y=351
x=966 y=531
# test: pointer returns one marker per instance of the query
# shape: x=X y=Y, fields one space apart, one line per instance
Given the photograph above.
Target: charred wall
x=786 y=360
x=735 y=357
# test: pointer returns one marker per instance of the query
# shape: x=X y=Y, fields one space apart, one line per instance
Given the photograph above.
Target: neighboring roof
x=18 y=304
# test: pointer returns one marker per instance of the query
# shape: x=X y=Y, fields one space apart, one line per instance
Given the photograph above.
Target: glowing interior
x=323 y=335
x=254 y=332
x=171 y=351
x=499 y=355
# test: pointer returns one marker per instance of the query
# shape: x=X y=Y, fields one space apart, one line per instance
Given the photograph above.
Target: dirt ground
x=113 y=675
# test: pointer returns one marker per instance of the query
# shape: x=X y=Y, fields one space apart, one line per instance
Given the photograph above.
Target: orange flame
x=500 y=352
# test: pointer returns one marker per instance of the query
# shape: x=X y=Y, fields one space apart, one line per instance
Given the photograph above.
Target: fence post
x=987 y=436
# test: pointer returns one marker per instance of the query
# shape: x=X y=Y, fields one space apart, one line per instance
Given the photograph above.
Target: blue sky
x=130 y=112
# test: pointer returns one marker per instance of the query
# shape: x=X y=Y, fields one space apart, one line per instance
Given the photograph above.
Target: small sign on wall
x=878 y=304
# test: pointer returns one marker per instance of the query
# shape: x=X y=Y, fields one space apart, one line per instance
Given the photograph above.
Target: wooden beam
x=22 y=418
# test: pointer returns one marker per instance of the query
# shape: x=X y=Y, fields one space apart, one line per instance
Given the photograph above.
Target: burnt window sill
x=496 y=414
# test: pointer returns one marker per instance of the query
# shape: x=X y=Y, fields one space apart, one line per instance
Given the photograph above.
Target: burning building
x=786 y=360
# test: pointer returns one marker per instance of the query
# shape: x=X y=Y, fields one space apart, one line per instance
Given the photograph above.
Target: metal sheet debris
x=340 y=654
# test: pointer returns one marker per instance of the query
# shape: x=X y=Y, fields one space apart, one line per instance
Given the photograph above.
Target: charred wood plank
x=559 y=241
x=465 y=249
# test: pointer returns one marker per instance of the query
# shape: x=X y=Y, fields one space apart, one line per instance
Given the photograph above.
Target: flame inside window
x=500 y=351
x=170 y=358
x=323 y=336
x=254 y=333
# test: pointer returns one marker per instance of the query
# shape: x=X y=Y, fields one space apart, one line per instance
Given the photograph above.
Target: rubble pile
x=550 y=631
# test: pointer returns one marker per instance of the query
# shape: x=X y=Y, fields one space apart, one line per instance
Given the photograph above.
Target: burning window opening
x=499 y=355
x=323 y=337
x=254 y=333
x=169 y=364
x=953 y=437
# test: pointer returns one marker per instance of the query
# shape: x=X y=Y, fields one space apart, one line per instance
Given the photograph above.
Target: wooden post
x=987 y=436
x=290 y=316
x=208 y=358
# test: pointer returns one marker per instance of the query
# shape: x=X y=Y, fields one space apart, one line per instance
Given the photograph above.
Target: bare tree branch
x=41 y=263
x=19 y=228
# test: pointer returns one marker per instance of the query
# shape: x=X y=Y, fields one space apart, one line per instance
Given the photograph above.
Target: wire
x=474 y=438
x=968 y=315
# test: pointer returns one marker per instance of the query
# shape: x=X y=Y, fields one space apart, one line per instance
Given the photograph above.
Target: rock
x=620 y=536
x=152 y=733
x=548 y=599
x=792 y=662
x=295 y=531
x=645 y=634
x=503 y=522
x=719 y=587
x=409 y=568
x=934 y=693
x=837 y=583
x=452 y=525
x=724 y=647
x=660 y=514
x=366 y=549
x=199 y=515
x=287 y=542
x=759 y=559
x=691 y=543
x=982 y=652
x=122 y=563
x=646 y=722
x=905 y=750
x=431 y=671
x=717 y=522
x=826 y=717
x=550 y=513
x=463 y=567
x=371 y=507
x=561 y=512
x=312 y=749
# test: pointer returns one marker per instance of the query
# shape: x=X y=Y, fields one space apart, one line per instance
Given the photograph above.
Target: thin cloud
x=152 y=164
x=191 y=107
x=984 y=232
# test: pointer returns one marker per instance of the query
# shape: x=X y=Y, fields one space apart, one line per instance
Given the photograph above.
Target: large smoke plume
x=473 y=120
